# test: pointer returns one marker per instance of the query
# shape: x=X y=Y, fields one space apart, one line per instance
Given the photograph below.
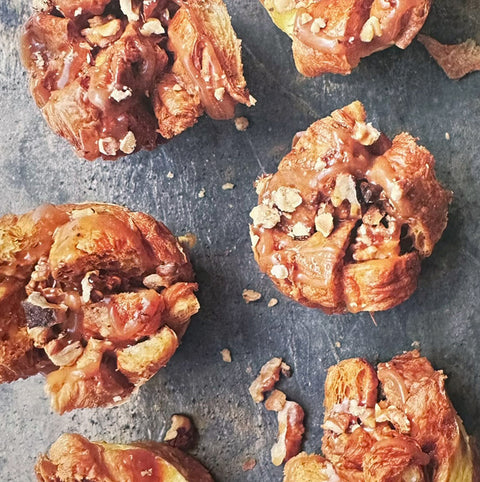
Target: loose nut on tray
x=78 y=302
x=74 y=458
x=412 y=433
x=346 y=220
x=333 y=35
x=117 y=77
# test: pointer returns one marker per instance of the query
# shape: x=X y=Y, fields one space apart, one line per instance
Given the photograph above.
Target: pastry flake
x=363 y=440
x=333 y=36
x=73 y=457
x=117 y=77
x=356 y=215
x=77 y=304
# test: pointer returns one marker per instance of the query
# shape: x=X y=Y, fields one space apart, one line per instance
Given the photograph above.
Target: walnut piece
x=268 y=376
x=182 y=433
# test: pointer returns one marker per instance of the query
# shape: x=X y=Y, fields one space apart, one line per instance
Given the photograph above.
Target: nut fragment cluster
x=413 y=433
x=333 y=36
x=346 y=220
x=116 y=77
x=95 y=295
x=73 y=457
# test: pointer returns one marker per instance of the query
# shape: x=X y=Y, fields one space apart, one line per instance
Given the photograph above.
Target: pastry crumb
x=241 y=123
x=227 y=186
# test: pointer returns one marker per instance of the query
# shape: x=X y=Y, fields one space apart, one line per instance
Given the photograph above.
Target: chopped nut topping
x=299 y=230
x=254 y=238
x=272 y=302
x=345 y=190
x=249 y=464
x=226 y=355
x=188 y=240
x=396 y=192
x=320 y=165
x=393 y=415
x=153 y=282
x=261 y=183
x=276 y=401
x=287 y=199
x=120 y=95
x=268 y=376
x=317 y=25
x=364 y=133
x=227 y=186
x=63 y=355
x=251 y=295
x=282 y=6
x=219 y=93
x=98 y=33
x=128 y=143
x=87 y=287
x=324 y=223
x=177 y=87
x=279 y=271
x=152 y=26
x=126 y=7
x=373 y=216
x=201 y=193
x=241 y=123
x=305 y=18
x=371 y=29
x=265 y=216
x=182 y=433
x=108 y=146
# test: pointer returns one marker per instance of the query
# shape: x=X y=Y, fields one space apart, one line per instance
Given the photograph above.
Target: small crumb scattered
x=188 y=240
x=416 y=344
x=241 y=123
x=286 y=370
x=227 y=186
x=170 y=175
x=338 y=344
x=226 y=355
x=251 y=295
x=249 y=464
x=201 y=193
x=272 y=302
x=447 y=136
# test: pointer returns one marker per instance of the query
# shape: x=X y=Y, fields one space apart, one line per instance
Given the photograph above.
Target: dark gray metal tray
x=402 y=91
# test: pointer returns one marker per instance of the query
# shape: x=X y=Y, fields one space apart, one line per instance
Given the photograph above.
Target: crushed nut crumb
x=241 y=123
x=317 y=25
x=227 y=186
x=251 y=295
x=299 y=230
x=249 y=464
x=345 y=189
x=170 y=175
x=128 y=143
x=127 y=8
x=201 y=193
x=219 y=93
x=305 y=18
x=226 y=355
x=119 y=95
x=287 y=199
x=188 y=240
x=182 y=433
x=364 y=133
x=177 y=87
x=447 y=136
x=279 y=271
x=108 y=146
x=152 y=26
x=272 y=302
x=371 y=29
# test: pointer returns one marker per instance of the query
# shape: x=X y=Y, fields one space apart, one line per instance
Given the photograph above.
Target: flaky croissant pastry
x=333 y=35
x=345 y=221
x=73 y=458
x=95 y=295
x=412 y=433
x=116 y=77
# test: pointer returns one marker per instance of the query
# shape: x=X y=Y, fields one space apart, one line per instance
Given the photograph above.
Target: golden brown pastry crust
x=413 y=433
x=93 y=294
x=73 y=457
x=345 y=221
x=116 y=77
x=333 y=36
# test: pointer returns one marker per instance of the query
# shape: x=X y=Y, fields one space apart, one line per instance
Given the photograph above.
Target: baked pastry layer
x=116 y=77
x=93 y=295
x=410 y=433
x=72 y=458
x=333 y=35
x=345 y=221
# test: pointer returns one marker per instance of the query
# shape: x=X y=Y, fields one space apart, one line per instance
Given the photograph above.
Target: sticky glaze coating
x=116 y=77
x=95 y=296
x=345 y=221
x=333 y=35
x=73 y=457
x=412 y=433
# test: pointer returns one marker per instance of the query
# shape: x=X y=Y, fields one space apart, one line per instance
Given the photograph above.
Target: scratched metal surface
x=401 y=91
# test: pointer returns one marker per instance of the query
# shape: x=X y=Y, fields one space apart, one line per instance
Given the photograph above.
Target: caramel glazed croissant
x=72 y=458
x=345 y=221
x=114 y=77
x=93 y=295
x=413 y=434
x=333 y=35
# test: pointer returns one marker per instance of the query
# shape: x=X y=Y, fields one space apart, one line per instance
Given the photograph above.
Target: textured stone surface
x=401 y=91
